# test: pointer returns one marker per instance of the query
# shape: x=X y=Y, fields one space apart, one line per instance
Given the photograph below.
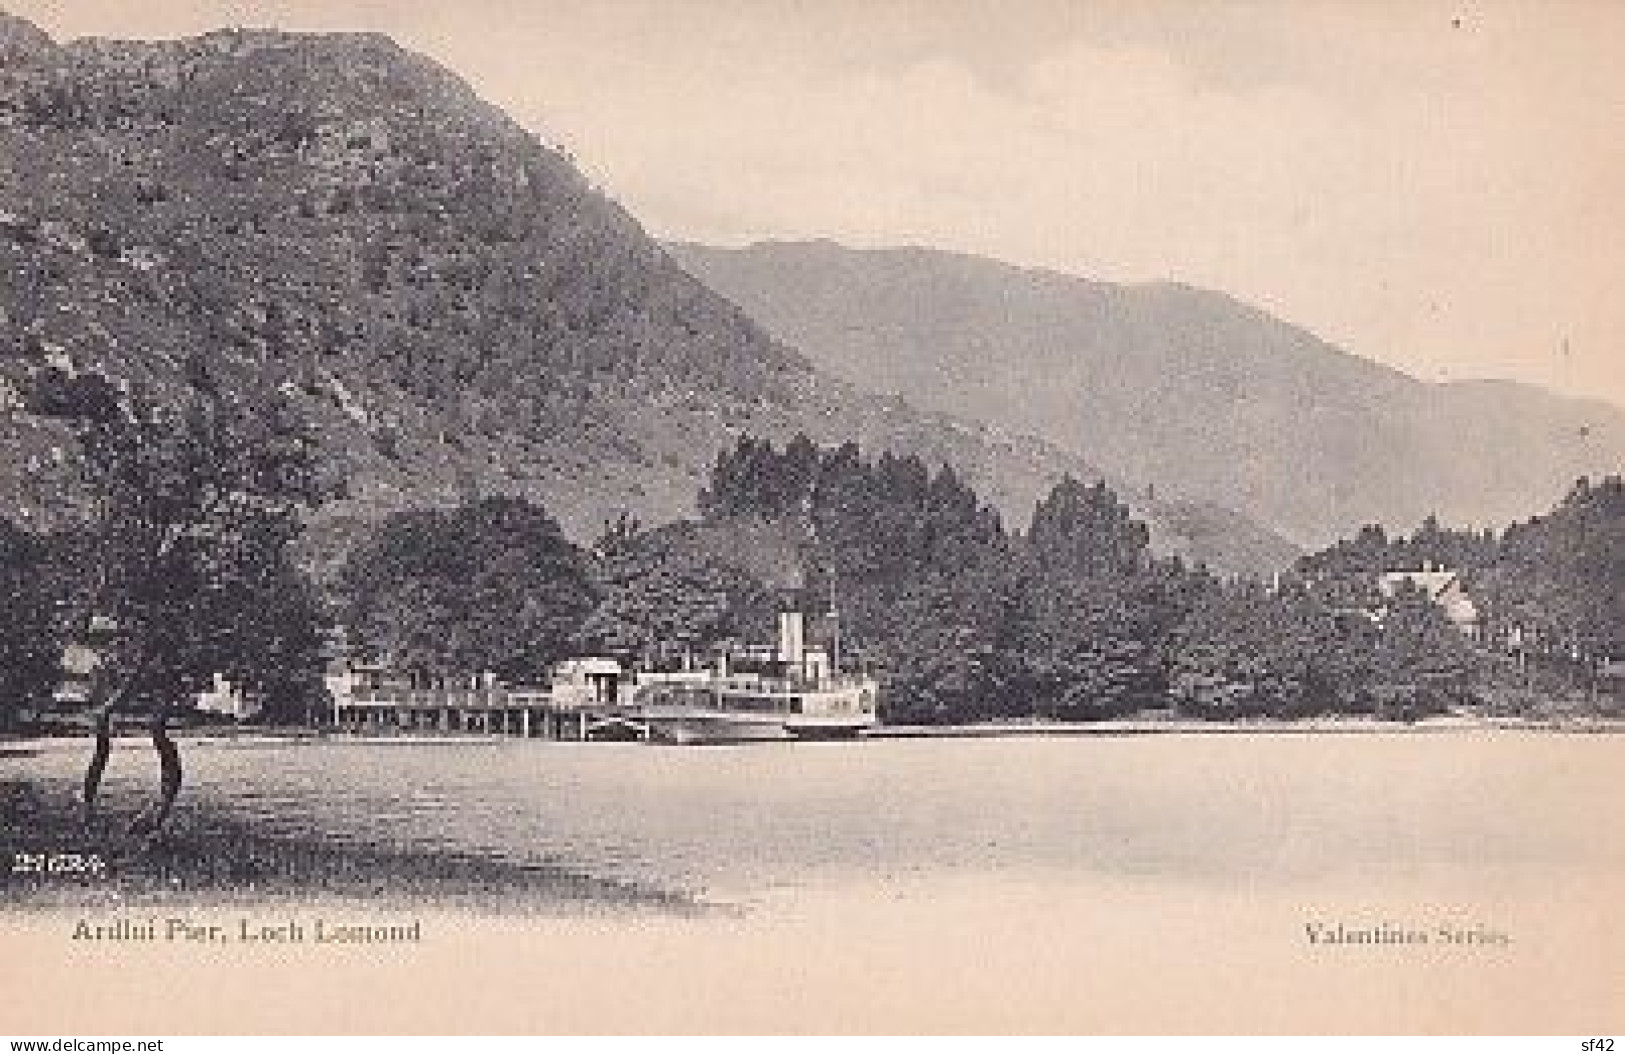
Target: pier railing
x=766 y=694
x=452 y=698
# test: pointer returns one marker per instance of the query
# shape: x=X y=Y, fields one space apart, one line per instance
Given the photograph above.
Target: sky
x=1436 y=185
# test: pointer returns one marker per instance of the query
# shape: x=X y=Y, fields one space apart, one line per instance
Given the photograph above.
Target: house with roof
x=1443 y=587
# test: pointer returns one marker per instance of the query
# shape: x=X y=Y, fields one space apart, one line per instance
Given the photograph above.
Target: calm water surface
x=745 y=823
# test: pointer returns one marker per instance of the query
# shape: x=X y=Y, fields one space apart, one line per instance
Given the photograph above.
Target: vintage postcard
x=750 y=516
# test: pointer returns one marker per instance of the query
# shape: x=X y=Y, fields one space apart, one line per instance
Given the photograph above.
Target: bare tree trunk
x=98 y=760
x=104 y=739
x=152 y=820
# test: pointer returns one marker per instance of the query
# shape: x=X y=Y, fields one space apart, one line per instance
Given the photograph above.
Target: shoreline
x=1134 y=726
x=265 y=735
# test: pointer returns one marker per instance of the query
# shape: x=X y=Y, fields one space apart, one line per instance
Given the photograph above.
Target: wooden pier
x=483 y=711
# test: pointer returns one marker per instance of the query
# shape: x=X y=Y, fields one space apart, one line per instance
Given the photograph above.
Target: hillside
x=1209 y=398
x=442 y=294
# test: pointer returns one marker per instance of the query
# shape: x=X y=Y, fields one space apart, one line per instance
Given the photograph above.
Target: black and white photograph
x=764 y=517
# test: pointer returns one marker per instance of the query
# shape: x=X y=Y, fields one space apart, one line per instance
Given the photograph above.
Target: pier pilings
x=494 y=713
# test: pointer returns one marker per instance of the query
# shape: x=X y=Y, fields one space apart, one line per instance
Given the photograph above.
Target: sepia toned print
x=732 y=518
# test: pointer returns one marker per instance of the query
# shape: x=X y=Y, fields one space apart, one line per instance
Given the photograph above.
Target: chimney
x=792 y=642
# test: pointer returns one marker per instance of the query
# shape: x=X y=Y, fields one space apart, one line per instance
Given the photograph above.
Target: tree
x=183 y=553
x=1094 y=648
x=280 y=650
x=1096 y=610
x=938 y=639
x=1560 y=578
x=1244 y=650
x=1421 y=664
x=29 y=641
x=1085 y=531
x=657 y=591
x=492 y=585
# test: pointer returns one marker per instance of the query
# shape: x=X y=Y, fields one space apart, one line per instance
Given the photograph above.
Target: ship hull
x=701 y=711
x=825 y=733
x=699 y=731
x=720 y=726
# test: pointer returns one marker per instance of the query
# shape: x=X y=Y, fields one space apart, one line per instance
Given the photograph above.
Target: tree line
x=185 y=539
x=1073 y=617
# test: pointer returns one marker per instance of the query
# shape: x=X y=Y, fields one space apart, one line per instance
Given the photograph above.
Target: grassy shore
x=208 y=857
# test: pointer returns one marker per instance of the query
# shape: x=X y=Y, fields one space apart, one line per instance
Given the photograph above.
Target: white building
x=1446 y=590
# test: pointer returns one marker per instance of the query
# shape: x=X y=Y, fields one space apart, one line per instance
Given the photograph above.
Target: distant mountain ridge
x=439 y=293
x=1193 y=390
